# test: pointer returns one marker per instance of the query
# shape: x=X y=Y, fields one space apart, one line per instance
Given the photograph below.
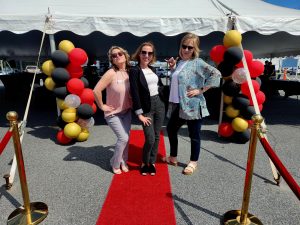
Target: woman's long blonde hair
x=196 y=44
x=123 y=51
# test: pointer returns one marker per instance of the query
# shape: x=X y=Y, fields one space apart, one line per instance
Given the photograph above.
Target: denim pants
x=120 y=124
x=194 y=127
x=151 y=132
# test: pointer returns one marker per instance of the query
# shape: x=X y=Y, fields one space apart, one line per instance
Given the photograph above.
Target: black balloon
x=60 y=75
x=240 y=102
x=60 y=122
x=258 y=80
x=225 y=69
x=241 y=137
x=85 y=111
x=60 y=58
x=61 y=92
x=233 y=55
x=231 y=88
x=85 y=82
x=247 y=112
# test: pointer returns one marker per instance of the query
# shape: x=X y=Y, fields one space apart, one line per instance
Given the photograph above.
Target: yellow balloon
x=227 y=99
x=61 y=104
x=84 y=135
x=231 y=111
x=48 y=67
x=49 y=84
x=239 y=124
x=232 y=38
x=72 y=130
x=66 y=46
x=69 y=115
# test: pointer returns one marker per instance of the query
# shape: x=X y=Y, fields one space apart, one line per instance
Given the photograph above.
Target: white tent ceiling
x=93 y=23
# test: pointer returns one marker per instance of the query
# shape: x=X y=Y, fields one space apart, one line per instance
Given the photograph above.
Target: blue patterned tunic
x=194 y=75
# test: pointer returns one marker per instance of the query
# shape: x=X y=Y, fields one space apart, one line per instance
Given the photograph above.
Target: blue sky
x=295 y=4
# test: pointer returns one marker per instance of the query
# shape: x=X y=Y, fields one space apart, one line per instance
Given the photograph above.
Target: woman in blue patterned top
x=190 y=78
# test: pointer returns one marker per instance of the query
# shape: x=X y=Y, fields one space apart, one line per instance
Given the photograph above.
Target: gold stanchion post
x=31 y=213
x=236 y=217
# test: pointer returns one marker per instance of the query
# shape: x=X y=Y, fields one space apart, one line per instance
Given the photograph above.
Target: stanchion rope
x=279 y=165
x=5 y=140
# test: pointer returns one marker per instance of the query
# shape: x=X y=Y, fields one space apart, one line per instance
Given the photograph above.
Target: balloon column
x=74 y=98
x=238 y=104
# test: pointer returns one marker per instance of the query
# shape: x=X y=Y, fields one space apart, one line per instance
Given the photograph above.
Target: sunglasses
x=187 y=47
x=147 y=53
x=115 y=55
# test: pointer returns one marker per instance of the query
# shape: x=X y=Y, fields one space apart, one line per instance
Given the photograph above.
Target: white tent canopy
x=259 y=22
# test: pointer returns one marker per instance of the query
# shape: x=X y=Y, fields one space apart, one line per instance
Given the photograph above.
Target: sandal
x=124 y=167
x=116 y=171
x=169 y=161
x=189 y=169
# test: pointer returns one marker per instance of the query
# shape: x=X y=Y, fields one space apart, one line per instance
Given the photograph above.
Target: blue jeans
x=120 y=124
x=194 y=127
x=152 y=132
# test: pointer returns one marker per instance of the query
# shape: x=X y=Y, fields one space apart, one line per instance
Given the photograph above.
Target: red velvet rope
x=280 y=167
x=5 y=140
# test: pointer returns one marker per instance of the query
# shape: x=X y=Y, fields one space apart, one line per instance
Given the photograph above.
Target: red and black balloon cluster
x=75 y=99
x=238 y=103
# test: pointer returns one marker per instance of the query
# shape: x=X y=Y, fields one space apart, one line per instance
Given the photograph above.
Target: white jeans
x=120 y=124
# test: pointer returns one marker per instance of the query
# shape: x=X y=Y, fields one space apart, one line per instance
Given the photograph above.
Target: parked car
x=161 y=72
x=32 y=69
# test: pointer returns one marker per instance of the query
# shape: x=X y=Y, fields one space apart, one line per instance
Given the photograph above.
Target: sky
x=294 y=4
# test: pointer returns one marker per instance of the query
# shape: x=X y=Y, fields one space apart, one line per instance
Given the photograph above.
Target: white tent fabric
x=143 y=17
x=268 y=30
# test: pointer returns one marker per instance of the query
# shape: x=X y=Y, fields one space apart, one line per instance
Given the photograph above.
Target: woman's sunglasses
x=187 y=47
x=115 y=55
x=147 y=53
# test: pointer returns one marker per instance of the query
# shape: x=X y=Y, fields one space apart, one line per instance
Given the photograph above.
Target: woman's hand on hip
x=193 y=92
x=145 y=120
x=107 y=108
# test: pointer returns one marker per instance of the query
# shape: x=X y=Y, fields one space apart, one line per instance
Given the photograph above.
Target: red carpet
x=134 y=199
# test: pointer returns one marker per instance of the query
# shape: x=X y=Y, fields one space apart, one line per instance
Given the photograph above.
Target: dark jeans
x=194 y=127
x=157 y=115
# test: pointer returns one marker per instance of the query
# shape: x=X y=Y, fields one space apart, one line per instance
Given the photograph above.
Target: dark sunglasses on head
x=147 y=53
x=115 y=55
x=187 y=47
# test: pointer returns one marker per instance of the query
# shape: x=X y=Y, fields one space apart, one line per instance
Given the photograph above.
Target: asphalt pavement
x=73 y=180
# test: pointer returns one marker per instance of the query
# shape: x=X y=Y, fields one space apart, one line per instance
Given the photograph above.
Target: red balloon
x=225 y=129
x=94 y=106
x=260 y=97
x=217 y=53
x=75 y=86
x=249 y=58
x=74 y=70
x=256 y=68
x=87 y=96
x=62 y=138
x=260 y=107
x=245 y=88
x=78 y=56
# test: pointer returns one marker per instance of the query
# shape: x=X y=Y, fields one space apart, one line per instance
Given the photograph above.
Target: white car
x=32 y=69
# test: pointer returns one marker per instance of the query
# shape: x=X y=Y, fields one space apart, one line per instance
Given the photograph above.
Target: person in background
x=190 y=78
x=117 y=110
x=147 y=104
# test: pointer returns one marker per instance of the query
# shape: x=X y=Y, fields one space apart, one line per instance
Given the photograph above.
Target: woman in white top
x=147 y=105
